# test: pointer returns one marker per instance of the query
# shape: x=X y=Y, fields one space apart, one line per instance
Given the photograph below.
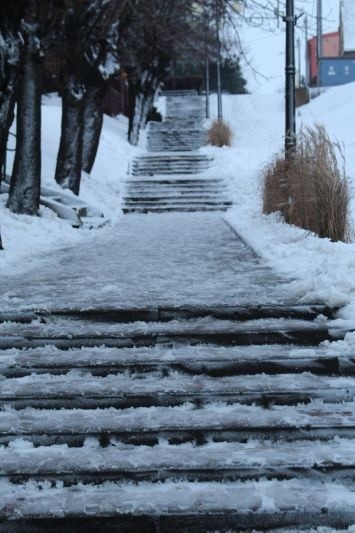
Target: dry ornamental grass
x=220 y=134
x=310 y=188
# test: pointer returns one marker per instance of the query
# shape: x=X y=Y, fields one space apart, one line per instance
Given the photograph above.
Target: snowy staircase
x=175 y=193
x=184 y=419
x=182 y=129
x=165 y=164
x=171 y=177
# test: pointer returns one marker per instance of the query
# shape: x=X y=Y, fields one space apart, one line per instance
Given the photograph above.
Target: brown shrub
x=220 y=134
x=310 y=188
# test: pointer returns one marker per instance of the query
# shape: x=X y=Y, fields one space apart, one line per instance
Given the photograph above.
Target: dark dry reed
x=220 y=134
x=310 y=188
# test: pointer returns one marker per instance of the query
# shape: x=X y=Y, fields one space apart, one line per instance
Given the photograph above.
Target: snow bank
x=26 y=237
x=322 y=271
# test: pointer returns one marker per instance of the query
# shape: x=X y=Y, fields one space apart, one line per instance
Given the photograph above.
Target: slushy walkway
x=189 y=259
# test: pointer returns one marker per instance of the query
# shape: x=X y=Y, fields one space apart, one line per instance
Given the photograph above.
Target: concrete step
x=225 y=462
x=176 y=125
x=200 y=360
x=177 y=200
x=191 y=331
x=186 y=423
x=174 y=190
x=178 y=507
x=174 y=198
x=194 y=418
x=179 y=93
x=164 y=170
x=75 y=391
x=173 y=209
x=175 y=181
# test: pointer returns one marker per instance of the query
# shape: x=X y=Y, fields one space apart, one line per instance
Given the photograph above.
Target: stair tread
x=247 y=499
x=148 y=197
x=197 y=419
x=175 y=205
x=59 y=459
x=246 y=388
x=51 y=357
x=214 y=417
x=174 y=209
x=73 y=329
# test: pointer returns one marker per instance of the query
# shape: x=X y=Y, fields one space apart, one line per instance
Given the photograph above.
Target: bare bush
x=310 y=188
x=220 y=134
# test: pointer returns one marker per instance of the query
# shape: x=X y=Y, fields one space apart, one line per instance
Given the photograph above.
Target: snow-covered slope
x=25 y=236
x=322 y=270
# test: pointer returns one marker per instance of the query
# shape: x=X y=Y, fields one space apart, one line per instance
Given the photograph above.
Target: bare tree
x=10 y=47
x=91 y=37
x=38 y=32
x=153 y=35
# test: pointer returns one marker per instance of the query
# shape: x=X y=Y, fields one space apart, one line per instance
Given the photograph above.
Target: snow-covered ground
x=323 y=271
x=24 y=237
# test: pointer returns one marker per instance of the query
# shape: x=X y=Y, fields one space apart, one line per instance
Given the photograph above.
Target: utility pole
x=207 y=84
x=207 y=66
x=306 y=49
x=319 y=39
x=219 y=81
x=290 y=122
x=299 y=62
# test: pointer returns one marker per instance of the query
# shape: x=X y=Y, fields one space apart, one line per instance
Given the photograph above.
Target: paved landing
x=185 y=259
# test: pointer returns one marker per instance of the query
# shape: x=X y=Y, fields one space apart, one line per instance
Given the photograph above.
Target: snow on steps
x=174 y=143
x=170 y=163
x=178 y=193
x=173 y=139
x=179 y=92
x=257 y=458
x=187 y=506
x=80 y=391
x=194 y=360
x=67 y=333
x=175 y=435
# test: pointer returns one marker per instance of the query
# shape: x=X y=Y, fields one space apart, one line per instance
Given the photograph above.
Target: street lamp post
x=218 y=62
x=207 y=84
x=306 y=50
x=290 y=123
x=319 y=41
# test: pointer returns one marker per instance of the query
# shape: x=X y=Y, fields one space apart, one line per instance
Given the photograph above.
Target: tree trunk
x=136 y=119
x=69 y=161
x=132 y=91
x=144 y=98
x=7 y=106
x=10 y=53
x=26 y=175
x=93 y=119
